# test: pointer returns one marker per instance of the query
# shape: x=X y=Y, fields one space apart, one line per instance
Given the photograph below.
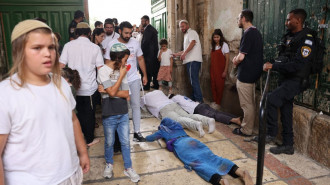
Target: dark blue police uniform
x=296 y=51
x=72 y=29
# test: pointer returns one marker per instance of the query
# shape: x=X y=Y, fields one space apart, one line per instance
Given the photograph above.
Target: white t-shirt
x=195 y=54
x=107 y=77
x=135 y=49
x=186 y=103
x=83 y=55
x=41 y=146
x=166 y=57
x=155 y=101
x=224 y=48
x=109 y=39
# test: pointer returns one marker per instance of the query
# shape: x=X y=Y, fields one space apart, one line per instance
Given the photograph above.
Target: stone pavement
x=158 y=166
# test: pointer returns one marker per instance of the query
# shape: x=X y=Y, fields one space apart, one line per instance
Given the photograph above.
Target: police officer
x=78 y=17
x=295 y=55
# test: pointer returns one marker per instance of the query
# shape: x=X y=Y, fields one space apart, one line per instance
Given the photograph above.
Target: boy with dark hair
x=98 y=24
x=115 y=93
x=79 y=16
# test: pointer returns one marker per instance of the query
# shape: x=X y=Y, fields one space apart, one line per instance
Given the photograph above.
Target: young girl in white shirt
x=40 y=136
x=166 y=65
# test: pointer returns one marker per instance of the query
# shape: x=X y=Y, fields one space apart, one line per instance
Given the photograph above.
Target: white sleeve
x=193 y=36
x=104 y=79
x=99 y=58
x=64 y=55
x=139 y=50
x=5 y=124
x=225 y=48
x=107 y=51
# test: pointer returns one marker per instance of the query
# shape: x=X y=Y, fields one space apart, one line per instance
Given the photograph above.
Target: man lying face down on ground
x=158 y=103
x=204 y=109
x=196 y=155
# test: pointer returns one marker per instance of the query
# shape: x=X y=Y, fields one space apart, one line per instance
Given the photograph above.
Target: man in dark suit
x=149 y=46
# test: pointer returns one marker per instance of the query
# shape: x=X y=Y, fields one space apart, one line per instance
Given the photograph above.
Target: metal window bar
x=262 y=131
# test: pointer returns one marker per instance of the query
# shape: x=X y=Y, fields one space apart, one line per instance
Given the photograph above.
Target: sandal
x=238 y=131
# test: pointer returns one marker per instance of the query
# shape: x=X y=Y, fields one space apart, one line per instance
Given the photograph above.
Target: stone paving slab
x=322 y=180
x=304 y=166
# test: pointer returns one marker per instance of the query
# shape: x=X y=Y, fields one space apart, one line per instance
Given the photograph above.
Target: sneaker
x=138 y=137
x=211 y=123
x=282 y=150
x=132 y=175
x=269 y=139
x=108 y=171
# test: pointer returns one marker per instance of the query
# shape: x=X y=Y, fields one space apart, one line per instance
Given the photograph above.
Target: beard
x=126 y=39
x=240 y=25
x=109 y=33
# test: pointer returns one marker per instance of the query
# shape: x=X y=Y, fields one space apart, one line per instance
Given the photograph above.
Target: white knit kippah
x=26 y=26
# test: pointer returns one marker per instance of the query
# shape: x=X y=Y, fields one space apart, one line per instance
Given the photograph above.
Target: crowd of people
x=50 y=118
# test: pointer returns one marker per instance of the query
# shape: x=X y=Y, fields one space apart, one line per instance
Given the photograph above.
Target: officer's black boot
x=269 y=139
x=282 y=149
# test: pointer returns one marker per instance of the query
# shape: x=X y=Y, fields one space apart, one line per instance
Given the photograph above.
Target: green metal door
x=58 y=13
x=159 y=17
x=269 y=18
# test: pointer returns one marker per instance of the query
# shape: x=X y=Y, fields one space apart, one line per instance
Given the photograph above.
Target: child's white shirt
x=41 y=147
x=166 y=57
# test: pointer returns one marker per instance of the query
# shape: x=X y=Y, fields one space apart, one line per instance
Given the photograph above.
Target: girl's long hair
x=222 y=38
x=18 y=55
x=73 y=77
x=97 y=32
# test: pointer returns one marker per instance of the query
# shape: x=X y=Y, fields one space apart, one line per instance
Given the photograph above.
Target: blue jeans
x=193 y=69
x=121 y=124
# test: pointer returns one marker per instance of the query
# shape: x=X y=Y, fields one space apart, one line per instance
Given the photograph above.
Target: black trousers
x=282 y=98
x=206 y=110
x=86 y=115
x=152 y=73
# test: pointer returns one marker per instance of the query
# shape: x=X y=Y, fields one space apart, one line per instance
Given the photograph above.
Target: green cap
x=118 y=47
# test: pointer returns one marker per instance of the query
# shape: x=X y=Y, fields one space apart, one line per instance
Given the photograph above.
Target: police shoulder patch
x=305 y=51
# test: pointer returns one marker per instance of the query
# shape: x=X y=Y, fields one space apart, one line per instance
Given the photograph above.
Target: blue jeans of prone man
x=193 y=69
x=121 y=124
